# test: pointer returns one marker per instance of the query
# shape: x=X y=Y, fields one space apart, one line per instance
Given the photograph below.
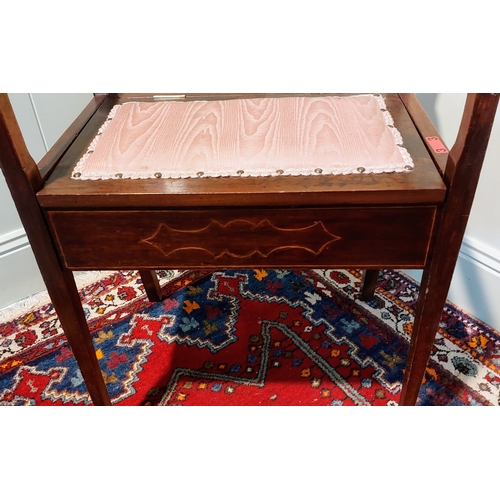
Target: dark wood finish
x=244 y=239
x=416 y=219
x=17 y=164
x=422 y=185
x=462 y=174
x=425 y=128
x=151 y=285
x=368 y=284
x=22 y=177
x=56 y=152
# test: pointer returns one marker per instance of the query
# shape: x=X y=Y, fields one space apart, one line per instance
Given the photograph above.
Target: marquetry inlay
x=241 y=238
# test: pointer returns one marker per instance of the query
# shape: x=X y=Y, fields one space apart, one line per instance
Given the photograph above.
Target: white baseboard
x=481 y=255
x=13 y=241
x=19 y=274
x=475 y=287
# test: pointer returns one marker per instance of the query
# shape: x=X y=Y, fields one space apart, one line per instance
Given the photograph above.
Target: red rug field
x=248 y=338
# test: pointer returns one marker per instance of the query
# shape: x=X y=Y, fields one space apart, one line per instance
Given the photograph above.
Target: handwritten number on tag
x=437 y=145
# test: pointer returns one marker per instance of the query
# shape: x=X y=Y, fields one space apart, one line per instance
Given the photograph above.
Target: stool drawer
x=244 y=238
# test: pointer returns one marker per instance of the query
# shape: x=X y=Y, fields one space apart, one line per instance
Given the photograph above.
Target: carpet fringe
x=40 y=299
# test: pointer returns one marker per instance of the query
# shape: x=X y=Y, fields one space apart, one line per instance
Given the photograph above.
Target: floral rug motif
x=249 y=337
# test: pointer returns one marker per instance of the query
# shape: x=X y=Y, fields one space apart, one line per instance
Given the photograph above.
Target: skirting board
x=475 y=287
x=19 y=274
x=21 y=284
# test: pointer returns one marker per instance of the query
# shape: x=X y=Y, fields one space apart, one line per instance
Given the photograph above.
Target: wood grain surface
x=246 y=137
x=423 y=184
x=244 y=238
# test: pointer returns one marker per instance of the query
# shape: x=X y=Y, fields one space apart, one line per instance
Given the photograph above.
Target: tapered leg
x=24 y=179
x=368 y=284
x=151 y=285
x=65 y=297
x=66 y=300
x=433 y=292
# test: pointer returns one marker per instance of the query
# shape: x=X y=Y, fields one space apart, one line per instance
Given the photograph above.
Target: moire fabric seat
x=261 y=137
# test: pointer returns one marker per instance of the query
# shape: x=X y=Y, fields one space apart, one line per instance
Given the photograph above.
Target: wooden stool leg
x=433 y=292
x=24 y=179
x=368 y=284
x=462 y=174
x=66 y=300
x=151 y=285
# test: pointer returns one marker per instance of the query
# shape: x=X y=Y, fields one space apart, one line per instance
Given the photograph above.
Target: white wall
x=42 y=118
x=476 y=281
x=476 y=284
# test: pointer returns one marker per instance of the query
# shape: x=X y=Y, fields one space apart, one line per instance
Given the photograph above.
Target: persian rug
x=248 y=338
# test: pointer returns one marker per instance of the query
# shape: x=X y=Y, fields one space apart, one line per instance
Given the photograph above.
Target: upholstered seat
x=422 y=184
x=246 y=138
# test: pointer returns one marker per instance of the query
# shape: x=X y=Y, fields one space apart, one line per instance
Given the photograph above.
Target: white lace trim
x=398 y=138
x=358 y=169
x=77 y=172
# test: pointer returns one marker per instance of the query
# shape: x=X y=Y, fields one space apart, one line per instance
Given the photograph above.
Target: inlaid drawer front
x=239 y=238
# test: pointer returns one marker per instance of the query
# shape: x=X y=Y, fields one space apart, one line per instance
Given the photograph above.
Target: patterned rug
x=250 y=337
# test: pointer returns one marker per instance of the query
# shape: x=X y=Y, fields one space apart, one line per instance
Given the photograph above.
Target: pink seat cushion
x=246 y=137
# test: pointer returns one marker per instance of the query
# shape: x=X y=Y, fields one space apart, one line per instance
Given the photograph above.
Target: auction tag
x=437 y=145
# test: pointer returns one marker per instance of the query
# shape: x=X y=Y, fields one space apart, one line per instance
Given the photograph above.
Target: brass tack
x=200 y=174
x=118 y=176
x=280 y=172
x=77 y=174
x=408 y=167
x=240 y=172
x=319 y=170
x=158 y=175
x=383 y=110
x=361 y=170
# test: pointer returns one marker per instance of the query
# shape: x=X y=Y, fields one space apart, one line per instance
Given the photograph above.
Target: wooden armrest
x=56 y=152
x=425 y=128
